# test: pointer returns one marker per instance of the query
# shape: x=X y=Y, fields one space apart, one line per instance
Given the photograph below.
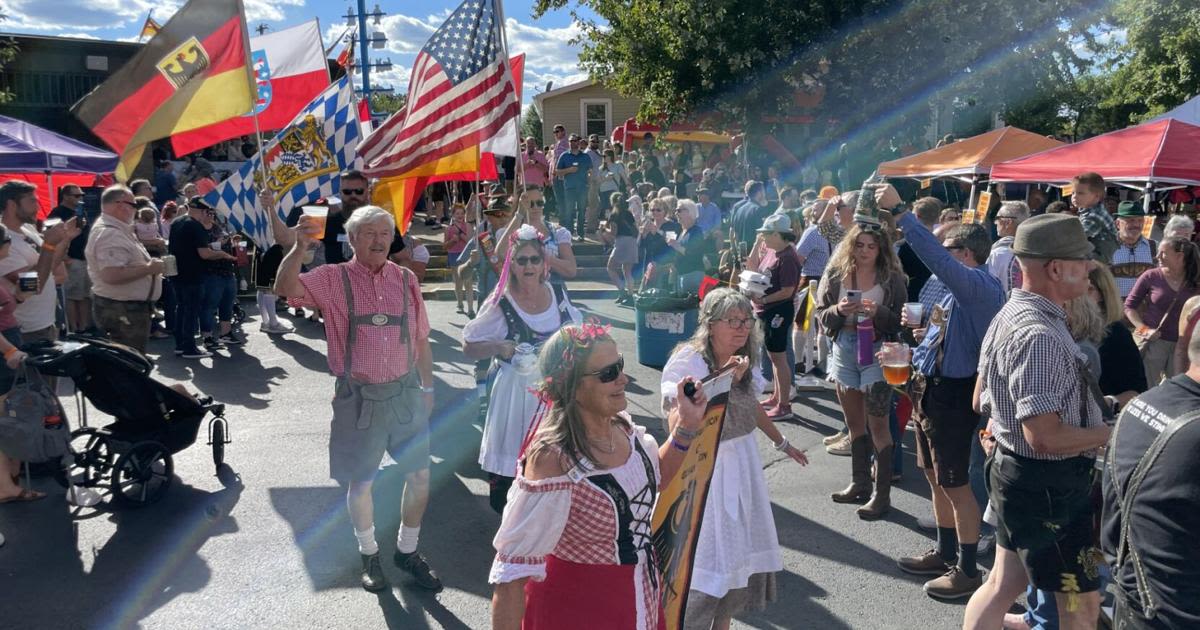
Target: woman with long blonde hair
x=863 y=281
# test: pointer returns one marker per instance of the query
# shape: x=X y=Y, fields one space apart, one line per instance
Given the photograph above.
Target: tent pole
x=1148 y=197
x=971 y=199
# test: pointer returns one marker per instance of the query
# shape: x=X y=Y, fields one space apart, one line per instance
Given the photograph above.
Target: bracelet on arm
x=48 y=247
x=782 y=445
x=677 y=444
x=427 y=389
x=685 y=433
x=11 y=351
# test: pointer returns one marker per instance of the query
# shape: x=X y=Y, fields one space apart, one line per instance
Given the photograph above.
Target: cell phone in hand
x=853 y=295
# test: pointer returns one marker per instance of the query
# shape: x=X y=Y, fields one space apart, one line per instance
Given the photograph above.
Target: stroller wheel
x=91 y=459
x=218 y=438
x=142 y=474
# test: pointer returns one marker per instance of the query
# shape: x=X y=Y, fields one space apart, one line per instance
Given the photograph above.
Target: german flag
x=193 y=73
x=149 y=29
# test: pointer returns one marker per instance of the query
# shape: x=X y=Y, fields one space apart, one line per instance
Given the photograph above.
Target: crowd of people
x=1021 y=337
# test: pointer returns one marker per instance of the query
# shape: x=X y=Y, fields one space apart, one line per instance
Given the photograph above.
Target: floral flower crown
x=580 y=338
x=527 y=233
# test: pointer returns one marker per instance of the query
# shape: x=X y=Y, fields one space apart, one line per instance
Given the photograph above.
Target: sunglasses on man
x=354 y=191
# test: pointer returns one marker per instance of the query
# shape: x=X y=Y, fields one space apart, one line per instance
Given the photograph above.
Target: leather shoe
x=372 y=573
x=414 y=563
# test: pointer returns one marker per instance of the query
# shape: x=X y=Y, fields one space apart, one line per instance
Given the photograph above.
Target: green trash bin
x=663 y=320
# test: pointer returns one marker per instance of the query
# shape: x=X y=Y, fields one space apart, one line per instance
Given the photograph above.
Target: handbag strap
x=1126 y=497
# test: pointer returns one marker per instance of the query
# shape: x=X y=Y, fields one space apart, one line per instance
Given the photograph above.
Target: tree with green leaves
x=531 y=124
x=387 y=103
x=865 y=72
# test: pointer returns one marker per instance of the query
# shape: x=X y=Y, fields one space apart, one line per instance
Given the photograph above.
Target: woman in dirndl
x=737 y=553
x=574 y=548
x=524 y=310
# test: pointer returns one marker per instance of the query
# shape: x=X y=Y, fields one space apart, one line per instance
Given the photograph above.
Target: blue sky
x=550 y=56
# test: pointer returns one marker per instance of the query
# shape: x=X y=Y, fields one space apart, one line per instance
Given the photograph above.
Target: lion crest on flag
x=298 y=154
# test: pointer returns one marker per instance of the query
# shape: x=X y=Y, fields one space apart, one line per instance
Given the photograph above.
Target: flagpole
x=262 y=167
x=499 y=10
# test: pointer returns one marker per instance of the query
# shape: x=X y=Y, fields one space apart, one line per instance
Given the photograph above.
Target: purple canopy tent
x=29 y=152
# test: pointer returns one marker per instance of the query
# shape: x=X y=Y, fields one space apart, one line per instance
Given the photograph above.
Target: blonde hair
x=1111 y=305
x=563 y=363
x=1084 y=320
x=841 y=263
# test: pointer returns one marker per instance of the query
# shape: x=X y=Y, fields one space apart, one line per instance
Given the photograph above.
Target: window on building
x=597 y=117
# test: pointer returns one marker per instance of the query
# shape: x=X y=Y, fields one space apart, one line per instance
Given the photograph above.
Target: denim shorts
x=843 y=363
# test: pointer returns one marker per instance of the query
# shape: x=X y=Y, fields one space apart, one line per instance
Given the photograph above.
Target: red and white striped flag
x=461 y=95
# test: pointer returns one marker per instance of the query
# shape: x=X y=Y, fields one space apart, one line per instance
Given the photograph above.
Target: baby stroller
x=132 y=455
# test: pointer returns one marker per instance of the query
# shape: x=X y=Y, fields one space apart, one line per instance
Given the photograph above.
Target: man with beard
x=33 y=251
x=1134 y=254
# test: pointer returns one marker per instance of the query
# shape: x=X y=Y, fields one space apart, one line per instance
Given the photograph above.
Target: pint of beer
x=318 y=214
x=896 y=362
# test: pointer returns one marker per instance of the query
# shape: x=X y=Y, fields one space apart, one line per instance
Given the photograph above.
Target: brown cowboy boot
x=881 y=502
x=860 y=473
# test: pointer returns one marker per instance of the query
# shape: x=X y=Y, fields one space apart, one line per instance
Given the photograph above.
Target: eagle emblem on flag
x=185 y=63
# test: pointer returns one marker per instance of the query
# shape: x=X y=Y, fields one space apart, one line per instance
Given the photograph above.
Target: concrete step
x=599 y=274
x=599 y=261
x=578 y=290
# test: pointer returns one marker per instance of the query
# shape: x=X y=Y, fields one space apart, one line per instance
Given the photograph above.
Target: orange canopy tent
x=971 y=157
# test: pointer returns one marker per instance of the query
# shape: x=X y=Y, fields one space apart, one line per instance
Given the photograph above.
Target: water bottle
x=866 y=340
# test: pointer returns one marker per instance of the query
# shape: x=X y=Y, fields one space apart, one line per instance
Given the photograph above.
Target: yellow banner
x=1068 y=190
x=926 y=183
x=981 y=208
x=680 y=508
x=1147 y=226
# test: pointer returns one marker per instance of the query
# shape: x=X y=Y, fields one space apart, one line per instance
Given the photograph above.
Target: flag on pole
x=150 y=28
x=303 y=163
x=192 y=74
x=461 y=94
x=289 y=71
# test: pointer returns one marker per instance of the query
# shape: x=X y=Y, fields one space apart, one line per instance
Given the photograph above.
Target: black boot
x=372 y=573
x=881 y=502
x=860 y=473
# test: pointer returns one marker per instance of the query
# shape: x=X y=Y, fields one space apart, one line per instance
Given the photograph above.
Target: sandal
x=25 y=496
x=779 y=412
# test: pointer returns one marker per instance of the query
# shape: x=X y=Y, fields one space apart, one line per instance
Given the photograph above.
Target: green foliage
x=1158 y=66
x=388 y=104
x=880 y=63
x=8 y=52
x=531 y=124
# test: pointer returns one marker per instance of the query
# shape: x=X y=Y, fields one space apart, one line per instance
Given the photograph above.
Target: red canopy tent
x=1158 y=153
x=678 y=132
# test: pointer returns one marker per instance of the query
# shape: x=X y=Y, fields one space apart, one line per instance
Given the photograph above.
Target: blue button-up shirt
x=578 y=179
x=710 y=217
x=974 y=298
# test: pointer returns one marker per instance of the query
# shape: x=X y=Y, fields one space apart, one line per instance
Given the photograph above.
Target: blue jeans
x=219 y=294
x=574 y=210
x=189 y=300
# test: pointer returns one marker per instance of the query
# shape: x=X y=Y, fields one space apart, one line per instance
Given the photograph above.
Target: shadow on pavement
x=150 y=559
x=798 y=602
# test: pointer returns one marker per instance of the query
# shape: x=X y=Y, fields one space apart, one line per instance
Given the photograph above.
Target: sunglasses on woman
x=609 y=373
x=538 y=202
x=527 y=260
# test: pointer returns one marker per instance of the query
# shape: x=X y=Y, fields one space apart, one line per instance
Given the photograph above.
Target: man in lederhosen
x=379 y=351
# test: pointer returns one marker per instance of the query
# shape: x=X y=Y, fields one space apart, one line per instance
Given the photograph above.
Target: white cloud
x=546 y=49
x=60 y=16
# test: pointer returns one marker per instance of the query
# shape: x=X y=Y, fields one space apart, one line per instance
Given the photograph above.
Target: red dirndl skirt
x=583 y=597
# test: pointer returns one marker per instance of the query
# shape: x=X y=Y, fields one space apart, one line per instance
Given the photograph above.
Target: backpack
x=23 y=433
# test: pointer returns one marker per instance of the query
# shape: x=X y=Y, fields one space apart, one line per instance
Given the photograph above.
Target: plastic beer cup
x=318 y=214
x=915 y=312
x=896 y=363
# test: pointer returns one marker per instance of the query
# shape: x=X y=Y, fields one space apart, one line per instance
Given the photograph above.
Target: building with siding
x=583 y=108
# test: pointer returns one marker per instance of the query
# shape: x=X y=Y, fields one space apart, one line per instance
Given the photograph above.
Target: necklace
x=612 y=448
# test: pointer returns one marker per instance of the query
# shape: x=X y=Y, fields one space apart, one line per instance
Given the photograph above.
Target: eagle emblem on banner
x=300 y=153
x=185 y=63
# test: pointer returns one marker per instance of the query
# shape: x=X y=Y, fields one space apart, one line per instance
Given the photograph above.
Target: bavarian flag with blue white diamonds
x=302 y=164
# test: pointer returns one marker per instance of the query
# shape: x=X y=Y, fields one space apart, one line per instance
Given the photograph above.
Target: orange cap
x=827 y=192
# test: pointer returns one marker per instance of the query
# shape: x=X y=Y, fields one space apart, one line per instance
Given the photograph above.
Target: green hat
x=1130 y=209
x=1052 y=236
x=867 y=211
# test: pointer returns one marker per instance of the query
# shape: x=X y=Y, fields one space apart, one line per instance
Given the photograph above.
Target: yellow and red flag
x=149 y=29
x=193 y=73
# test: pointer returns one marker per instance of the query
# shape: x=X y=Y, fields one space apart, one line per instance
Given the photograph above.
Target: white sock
x=266 y=307
x=366 y=542
x=406 y=541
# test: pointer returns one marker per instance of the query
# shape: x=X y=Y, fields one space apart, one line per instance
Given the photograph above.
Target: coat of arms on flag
x=302 y=163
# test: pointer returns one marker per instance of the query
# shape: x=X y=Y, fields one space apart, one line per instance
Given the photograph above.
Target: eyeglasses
x=528 y=260
x=354 y=191
x=870 y=228
x=609 y=373
x=736 y=323
x=955 y=248
x=537 y=202
x=1004 y=217
x=128 y=203
x=558 y=131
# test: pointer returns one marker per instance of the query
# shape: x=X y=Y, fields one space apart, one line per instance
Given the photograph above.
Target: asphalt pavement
x=265 y=542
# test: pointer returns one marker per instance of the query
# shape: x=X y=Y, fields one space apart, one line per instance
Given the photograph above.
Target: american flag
x=461 y=94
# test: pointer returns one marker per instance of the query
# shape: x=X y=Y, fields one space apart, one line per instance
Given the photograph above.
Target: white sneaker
x=276 y=328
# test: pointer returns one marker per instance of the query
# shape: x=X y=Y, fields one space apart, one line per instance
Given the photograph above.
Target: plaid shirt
x=932 y=294
x=380 y=356
x=1031 y=366
x=1096 y=221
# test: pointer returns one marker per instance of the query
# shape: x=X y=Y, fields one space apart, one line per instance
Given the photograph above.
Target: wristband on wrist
x=685 y=433
x=427 y=389
x=782 y=445
x=48 y=247
x=11 y=351
x=679 y=445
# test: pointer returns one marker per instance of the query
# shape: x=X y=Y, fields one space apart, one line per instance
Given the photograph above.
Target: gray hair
x=366 y=215
x=717 y=305
x=689 y=207
x=114 y=193
x=1179 y=223
x=1019 y=209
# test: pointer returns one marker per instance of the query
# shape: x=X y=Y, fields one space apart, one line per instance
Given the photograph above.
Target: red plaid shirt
x=380 y=355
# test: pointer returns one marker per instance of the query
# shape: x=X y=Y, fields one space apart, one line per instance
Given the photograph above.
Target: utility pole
x=376 y=40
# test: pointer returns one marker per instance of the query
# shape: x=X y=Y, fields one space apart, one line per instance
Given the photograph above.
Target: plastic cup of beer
x=318 y=214
x=915 y=312
x=896 y=362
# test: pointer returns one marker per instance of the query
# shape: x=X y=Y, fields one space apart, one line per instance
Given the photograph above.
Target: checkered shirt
x=932 y=294
x=380 y=356
x=1130 y=262
x=1029 y=366
x=1096 y=221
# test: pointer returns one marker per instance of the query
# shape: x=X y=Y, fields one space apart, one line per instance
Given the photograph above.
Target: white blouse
x=688 y=362
x=490 y=325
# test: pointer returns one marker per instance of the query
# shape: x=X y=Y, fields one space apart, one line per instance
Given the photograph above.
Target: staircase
x=590 y=282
